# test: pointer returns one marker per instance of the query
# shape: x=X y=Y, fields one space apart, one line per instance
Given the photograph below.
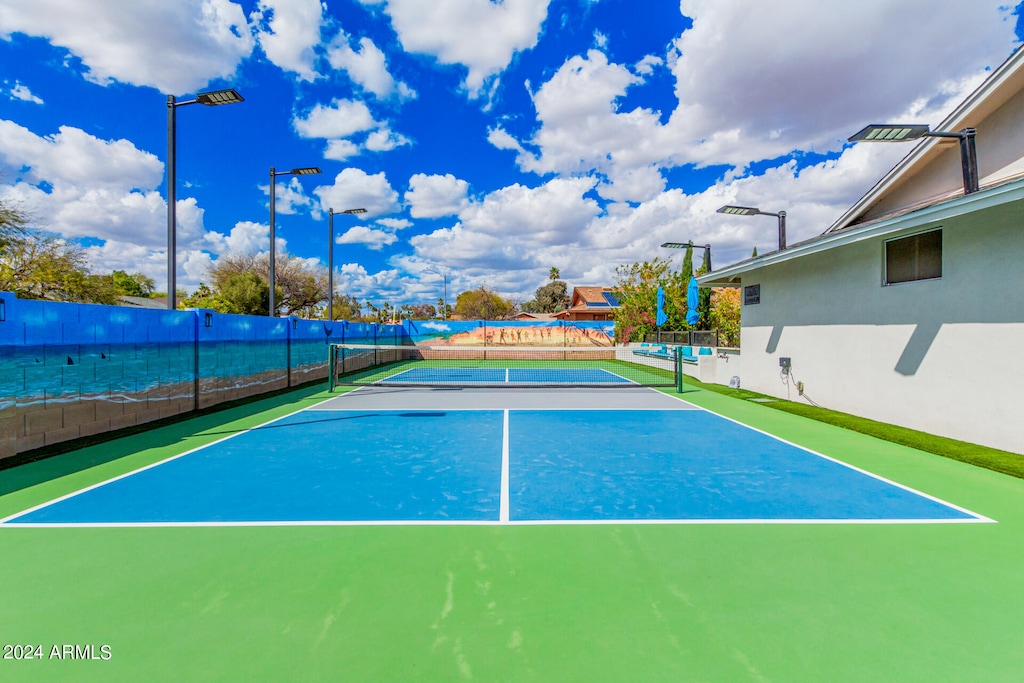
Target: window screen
x=918 y=257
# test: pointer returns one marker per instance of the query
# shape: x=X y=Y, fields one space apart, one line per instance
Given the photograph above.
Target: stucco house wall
x=945 y=356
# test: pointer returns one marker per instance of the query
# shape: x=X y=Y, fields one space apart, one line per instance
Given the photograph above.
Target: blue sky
x=491 y=140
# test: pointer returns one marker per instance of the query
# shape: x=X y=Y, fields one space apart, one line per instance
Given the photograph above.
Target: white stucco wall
x=943 y=356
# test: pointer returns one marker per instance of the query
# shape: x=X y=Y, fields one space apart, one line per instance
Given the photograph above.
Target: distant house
x=142 y=302
x=590 y=303
x=535 y=316
x=909 y=309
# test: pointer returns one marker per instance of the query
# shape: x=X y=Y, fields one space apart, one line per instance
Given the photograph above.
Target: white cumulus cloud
x=245 y=237
x=73 y=157
x=353 y=188
x=340 y=119
x=367 y=66
x=481 y=35
x=370 y=237
x=21 y=92
x=385 y=140
x=176 y=47
x=289 y=31
x=433 y=196
x=289 y=196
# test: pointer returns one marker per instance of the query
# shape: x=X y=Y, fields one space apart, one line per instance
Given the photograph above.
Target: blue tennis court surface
x=495 y=466
x=514 y=376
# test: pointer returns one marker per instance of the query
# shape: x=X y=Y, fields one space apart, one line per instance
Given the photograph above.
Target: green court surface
x=618 y=602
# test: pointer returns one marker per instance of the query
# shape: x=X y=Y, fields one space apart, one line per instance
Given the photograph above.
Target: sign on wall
x=751 y=295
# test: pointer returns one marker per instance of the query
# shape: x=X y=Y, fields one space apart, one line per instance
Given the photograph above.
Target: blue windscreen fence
x=76 y=370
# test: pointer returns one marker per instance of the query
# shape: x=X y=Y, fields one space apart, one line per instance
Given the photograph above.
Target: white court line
x=3 y=521
x=980 y=518
x=628 y=380
x=503 y=506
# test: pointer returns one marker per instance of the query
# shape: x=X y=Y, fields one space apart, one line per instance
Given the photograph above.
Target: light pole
x=689 y=245
x=309 y=170
x=900 y=132
x=212 y=98
x=330 y=258
x=444 y=301
x=751 y=211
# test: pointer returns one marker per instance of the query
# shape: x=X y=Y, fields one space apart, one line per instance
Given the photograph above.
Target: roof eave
x=961 y=116
x=730 y=275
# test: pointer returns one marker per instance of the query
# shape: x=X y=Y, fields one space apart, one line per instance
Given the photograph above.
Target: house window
x=917 y=257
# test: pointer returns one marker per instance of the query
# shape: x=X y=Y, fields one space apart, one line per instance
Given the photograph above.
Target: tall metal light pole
x=330 y=258
x=751 y=211
x=444 y=301
x=895 y=132
x=308 y=170
x=212 y=98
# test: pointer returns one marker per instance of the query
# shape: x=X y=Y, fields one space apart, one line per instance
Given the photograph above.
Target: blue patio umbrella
x=692 y=296
x=661 y=318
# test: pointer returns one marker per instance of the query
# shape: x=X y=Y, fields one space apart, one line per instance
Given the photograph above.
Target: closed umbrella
x=661 y=318
x=692 y=296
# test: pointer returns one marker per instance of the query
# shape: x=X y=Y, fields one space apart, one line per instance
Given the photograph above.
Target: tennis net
x=496 y=367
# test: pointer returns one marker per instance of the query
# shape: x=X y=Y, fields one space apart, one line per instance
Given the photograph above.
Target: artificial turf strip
x=1005 y=462
x=837 y=603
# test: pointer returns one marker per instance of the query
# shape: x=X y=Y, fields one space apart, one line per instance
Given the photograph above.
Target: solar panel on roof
x=611 y=298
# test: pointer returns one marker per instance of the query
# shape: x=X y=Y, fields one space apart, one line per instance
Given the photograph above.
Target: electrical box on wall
x=785 y=362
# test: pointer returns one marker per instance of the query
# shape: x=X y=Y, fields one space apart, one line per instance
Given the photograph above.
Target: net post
x=330 y=368
x=679 y=371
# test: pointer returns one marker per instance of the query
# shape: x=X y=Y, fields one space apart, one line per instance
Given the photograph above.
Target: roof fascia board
x=939 y=212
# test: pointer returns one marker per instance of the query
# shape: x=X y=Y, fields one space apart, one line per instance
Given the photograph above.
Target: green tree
x=687 y=268
x=704 y=303
x=346 y=307
x=754 y=255
x=134 y=284
x=300 y=288
x=530 y=306
x=383 y=314
x=372 y=314
x=12 y=224
x=725 y=315
x=444 y=309
x=552 y=297
x=483 y=304
x=423 y=312
x=40 y=265
x=637 y=290
x=245 y=293
x=204 y=297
